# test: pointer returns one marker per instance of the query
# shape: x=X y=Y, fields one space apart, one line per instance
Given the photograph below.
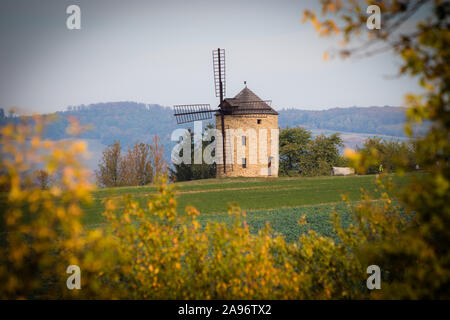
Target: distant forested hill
x=373 y=120
x=129 y=122
x=125 y=121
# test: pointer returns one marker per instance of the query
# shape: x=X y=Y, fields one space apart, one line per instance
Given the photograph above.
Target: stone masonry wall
x=256 y=157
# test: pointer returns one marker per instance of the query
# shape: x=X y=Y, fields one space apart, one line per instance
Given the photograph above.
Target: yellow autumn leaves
x=41 y=230
x=148 y=250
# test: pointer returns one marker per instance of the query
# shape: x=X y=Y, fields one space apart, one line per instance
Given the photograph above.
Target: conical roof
x=246 y=102
x=247 y=95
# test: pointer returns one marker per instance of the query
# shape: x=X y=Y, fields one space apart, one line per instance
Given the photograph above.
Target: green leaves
x=300 y=154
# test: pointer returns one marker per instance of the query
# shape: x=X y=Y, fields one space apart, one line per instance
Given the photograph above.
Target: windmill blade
x=219 y=72
x=192 y=112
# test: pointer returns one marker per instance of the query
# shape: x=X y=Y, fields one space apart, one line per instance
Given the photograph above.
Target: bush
x=391 y=154
x=41 y=232
x=170 y=256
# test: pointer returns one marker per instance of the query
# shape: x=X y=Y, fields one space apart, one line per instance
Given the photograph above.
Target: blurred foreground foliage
x=417 y=258
x=40 y=230
x=152 y=252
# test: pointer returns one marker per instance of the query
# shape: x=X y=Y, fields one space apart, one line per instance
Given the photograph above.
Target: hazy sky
x=160 y=52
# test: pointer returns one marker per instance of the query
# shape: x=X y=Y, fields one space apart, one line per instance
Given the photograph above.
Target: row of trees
x=303 y=155
x=141 y=165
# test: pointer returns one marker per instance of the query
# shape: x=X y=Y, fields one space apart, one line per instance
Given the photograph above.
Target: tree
x=158 y=164
x=302 y=155
x=415 y=254
x=135 y=166
x=391 y=154
x=141 y=165
x=325 y=152
x=186 y=172
x=108 y=174
x=294 y=144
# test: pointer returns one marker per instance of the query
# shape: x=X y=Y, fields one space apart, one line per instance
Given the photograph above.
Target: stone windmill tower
x=248 y=143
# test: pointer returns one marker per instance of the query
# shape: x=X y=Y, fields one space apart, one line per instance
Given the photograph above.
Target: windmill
x=247 y=104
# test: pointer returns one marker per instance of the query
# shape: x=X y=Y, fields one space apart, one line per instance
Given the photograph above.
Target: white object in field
x=342 y=171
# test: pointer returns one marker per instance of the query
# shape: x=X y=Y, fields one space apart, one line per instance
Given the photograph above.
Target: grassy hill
x=279 y=201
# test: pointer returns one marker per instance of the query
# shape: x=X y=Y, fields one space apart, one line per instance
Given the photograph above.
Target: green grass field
x=279 y=201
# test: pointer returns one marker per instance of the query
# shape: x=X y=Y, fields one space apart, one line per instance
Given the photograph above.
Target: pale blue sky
x=160 y=52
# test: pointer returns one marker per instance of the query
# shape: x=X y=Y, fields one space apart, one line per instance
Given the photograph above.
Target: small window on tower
x=244 y=140
x=259 y=121
x=244 y=162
